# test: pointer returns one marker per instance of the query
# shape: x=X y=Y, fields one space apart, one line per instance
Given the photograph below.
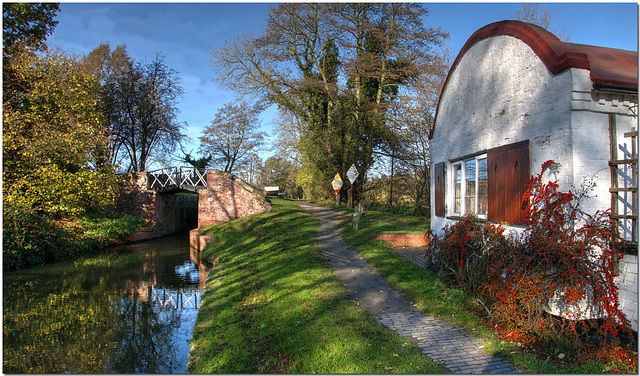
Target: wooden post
x=613 y=144
x=350 y=198
x=355 y=221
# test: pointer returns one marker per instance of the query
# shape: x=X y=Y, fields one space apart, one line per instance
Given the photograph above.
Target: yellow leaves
x=52 y=190
x=49 y=136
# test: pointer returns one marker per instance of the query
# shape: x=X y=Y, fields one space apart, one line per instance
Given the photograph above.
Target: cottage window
x=457 y=188
x=489 y=185
x=483 y=199
x=470 y=186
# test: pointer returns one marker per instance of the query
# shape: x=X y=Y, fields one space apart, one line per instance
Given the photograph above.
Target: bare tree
x=233 y=136
x=289 y=130
x=295 y=37
x=248 y=169
x=143 y=113
x=539 y=15
x=406 y=160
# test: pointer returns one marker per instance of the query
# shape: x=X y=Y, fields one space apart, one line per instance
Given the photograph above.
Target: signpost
x=352 y=174
x=337 y=184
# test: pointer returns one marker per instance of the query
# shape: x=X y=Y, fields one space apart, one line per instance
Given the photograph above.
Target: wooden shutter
x=439 y=188
x=508 y=169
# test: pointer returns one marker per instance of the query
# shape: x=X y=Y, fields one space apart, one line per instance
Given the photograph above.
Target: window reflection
x=483 y=197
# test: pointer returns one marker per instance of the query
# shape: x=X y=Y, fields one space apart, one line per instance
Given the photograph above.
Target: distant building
x=271 y=191
x=515 y=97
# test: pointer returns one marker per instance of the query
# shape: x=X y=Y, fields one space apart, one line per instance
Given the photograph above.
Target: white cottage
x=515 y=97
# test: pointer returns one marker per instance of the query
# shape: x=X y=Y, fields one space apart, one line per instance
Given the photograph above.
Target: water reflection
x=130 y=313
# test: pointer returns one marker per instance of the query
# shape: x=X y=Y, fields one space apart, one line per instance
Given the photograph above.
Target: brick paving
x=452 y=347
x=415 y=255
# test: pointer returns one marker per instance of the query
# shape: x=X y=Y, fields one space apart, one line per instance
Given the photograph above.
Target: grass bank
x=431 y=296
x=273 y=305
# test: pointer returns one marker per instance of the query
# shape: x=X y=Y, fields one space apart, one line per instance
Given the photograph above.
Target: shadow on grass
x=273 y=305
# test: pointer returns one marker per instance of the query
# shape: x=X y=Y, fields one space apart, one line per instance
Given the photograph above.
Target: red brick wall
x=168 y=213
x=199 y=240
x=134 y=198
x=404 y=240
x=227 y=197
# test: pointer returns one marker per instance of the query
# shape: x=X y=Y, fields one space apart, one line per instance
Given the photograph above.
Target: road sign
x=352 y=174
x=337 y=183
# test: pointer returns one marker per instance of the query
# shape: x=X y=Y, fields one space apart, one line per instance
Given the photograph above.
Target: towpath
x=453 y=347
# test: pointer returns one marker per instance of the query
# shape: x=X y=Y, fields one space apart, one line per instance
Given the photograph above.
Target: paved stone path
x=453 y=347
x=415 y=255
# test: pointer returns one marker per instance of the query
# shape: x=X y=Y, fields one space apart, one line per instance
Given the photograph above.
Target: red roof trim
x=558 y=55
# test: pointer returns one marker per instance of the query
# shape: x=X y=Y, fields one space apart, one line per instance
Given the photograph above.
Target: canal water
x=130 y=312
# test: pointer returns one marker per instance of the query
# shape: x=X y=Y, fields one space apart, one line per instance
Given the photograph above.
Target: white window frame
x=451 y=197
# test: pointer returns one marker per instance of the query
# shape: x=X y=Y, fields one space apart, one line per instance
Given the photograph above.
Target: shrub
x=30 y=238
x=467 y=251
x=101 y=228
x=564 y=258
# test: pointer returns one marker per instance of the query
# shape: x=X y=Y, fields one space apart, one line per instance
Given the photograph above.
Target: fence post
x=357 y=213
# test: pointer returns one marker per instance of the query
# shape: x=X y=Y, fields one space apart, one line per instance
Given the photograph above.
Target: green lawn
x=435 y=298
x=273 y=305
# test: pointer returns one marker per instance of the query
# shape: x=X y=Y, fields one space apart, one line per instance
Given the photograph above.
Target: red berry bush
x=564 y=259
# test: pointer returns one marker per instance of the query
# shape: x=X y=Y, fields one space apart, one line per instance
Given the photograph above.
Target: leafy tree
x=307 y=51
x=107 y=65
x=25 y=27
x=142 y=112
x=51 y=134
x=27 y=24
x=232 y=136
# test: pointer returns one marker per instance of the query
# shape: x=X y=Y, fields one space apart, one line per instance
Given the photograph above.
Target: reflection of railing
x=187 y=178
x=181 y=298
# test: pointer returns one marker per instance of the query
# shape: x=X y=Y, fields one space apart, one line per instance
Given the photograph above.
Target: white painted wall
x=628 y=288
x=501 y=93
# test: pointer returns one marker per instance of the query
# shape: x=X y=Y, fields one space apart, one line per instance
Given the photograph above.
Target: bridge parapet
x=177 y=178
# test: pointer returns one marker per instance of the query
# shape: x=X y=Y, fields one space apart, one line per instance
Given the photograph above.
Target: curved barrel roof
x=609 y=66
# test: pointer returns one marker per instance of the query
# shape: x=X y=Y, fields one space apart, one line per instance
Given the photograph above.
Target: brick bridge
x=213 y=197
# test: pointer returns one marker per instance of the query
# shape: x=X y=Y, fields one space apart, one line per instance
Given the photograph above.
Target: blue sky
x=185 y=34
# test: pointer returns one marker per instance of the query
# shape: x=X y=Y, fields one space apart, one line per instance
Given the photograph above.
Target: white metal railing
x=177 y=178
x=176 y=298
x=193 y=176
